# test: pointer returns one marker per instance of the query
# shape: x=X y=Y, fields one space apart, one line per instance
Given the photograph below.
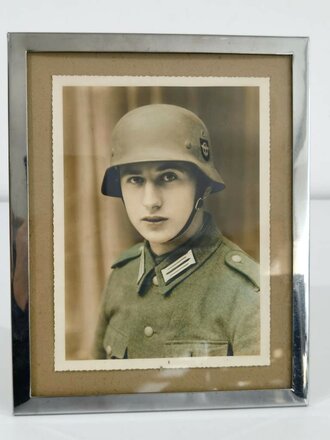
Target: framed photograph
x=159 y=201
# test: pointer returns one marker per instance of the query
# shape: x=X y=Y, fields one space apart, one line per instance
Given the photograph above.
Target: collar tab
x=178 y=266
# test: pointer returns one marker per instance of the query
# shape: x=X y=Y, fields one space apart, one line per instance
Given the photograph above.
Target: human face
x=159 y=198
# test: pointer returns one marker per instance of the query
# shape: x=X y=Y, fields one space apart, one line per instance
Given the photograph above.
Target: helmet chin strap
x=198 y=204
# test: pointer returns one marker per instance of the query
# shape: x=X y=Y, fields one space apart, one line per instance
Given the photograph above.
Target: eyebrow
x=171 y=166
x=128 y=170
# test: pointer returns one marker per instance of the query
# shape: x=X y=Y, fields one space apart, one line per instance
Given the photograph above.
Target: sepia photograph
x=161 y=222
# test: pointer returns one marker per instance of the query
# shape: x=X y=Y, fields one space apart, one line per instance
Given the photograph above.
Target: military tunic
x=202 y=299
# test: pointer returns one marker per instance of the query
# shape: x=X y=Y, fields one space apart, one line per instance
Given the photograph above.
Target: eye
x=169 y=176
x=135 y=180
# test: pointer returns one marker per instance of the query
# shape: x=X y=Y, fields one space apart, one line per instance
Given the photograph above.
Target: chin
x=160 y=236
x=157 y=239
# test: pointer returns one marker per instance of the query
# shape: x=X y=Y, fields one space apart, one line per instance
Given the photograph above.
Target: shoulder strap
x=243 y=263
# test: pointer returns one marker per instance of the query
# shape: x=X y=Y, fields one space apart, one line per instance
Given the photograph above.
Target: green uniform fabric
x=200 y=300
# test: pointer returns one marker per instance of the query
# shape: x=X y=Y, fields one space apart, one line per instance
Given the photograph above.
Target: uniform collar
x=180 y=263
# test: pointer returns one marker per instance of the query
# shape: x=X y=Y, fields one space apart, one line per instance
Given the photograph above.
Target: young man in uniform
x=186 y=290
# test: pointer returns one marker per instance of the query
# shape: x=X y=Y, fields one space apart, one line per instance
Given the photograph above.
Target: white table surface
x=312 y=422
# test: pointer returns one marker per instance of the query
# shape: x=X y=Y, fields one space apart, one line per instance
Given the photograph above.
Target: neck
x=195 y=226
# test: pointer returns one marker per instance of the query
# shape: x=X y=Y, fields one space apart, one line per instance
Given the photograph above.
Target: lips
x=154 y=219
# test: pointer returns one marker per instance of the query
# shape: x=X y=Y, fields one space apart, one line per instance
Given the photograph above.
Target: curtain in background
x=96 y=226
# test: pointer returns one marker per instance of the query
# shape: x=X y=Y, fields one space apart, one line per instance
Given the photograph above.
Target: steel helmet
x=160 y=132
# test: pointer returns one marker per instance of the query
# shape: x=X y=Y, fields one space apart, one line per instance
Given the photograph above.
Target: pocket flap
x=184 y=348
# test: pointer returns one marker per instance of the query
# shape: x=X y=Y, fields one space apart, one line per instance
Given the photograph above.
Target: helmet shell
x=160 y=132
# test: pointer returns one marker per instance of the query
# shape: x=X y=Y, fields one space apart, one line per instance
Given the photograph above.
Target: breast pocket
x=196 y=348
x=115 y=343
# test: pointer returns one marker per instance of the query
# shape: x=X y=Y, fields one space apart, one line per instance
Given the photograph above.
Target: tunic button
x=155 y=281
x=236 y=258
x=108 y=350
x=148 y=331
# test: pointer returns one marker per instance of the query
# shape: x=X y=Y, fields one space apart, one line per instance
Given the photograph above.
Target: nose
x=151 y=198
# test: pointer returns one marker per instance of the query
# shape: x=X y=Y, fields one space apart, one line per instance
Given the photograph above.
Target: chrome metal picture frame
x=27 y=242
